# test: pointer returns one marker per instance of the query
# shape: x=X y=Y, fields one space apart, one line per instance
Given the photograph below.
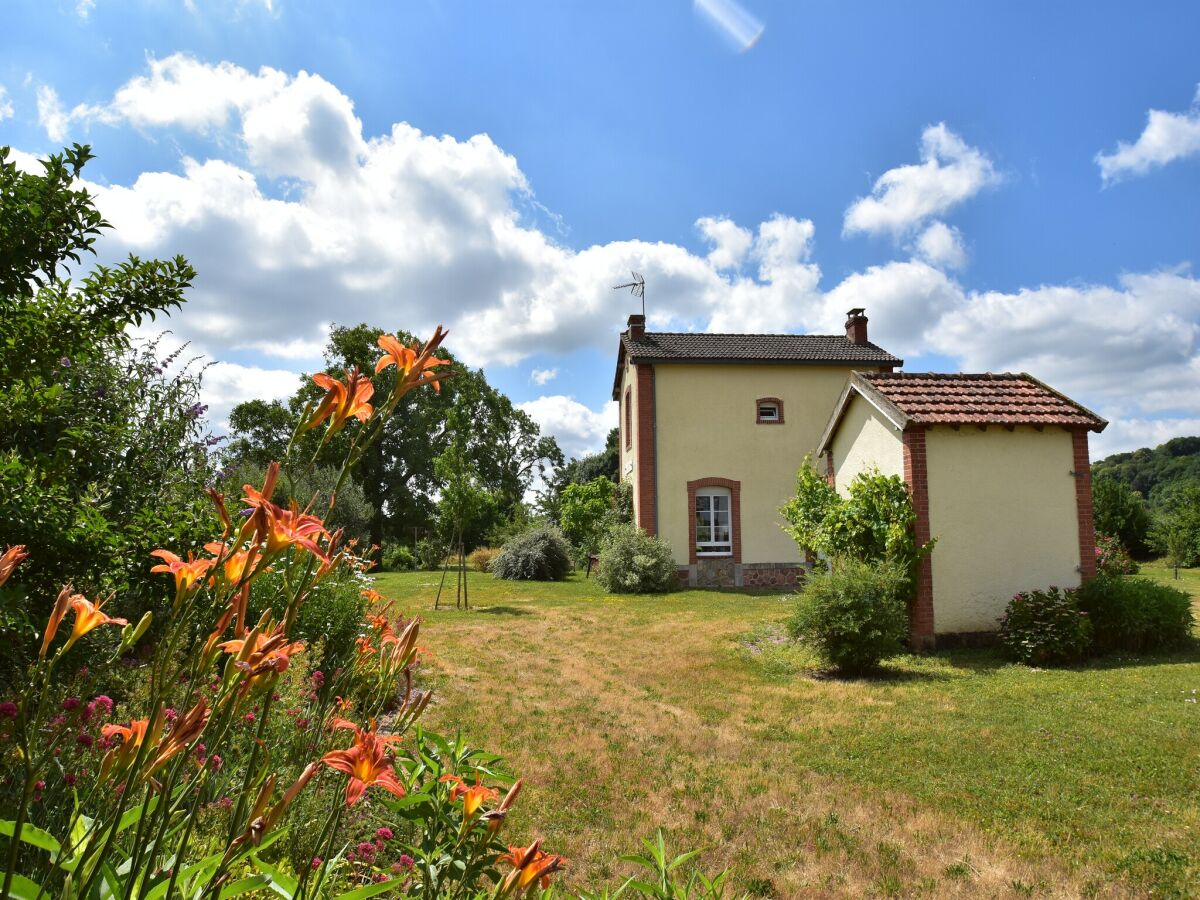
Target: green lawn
x=957 y=774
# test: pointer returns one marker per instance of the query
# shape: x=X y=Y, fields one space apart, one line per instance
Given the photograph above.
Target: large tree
x=398 y=475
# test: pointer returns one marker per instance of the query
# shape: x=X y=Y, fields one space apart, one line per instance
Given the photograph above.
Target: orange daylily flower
x=182 y=734
x=88 y=617
x=61 y=605
x=10 y=560
x=278 y=528
x=365 y=649
x=495 y=817
x=132 y=736
x=187 y=572
x=261 y=652
x=366 y=762
x=343 y=400
x=473 y=796
x=413 y=364
x=530 y=865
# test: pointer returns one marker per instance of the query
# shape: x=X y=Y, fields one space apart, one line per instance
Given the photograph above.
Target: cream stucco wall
x=1002 y=506
x=864 y=441
x=706 y=428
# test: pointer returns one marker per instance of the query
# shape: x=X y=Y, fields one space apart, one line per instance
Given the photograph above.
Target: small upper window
x=770 y=411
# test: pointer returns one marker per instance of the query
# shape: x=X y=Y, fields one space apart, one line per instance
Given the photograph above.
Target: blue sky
x=957 y=170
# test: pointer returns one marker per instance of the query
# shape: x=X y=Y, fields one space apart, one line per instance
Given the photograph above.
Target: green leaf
x=22 y=888
x=370 y=890
x=244 y=886
x=31 y=834
x=282 y=884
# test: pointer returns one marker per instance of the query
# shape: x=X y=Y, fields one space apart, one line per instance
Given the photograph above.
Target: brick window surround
x=916 y=476
x=628 y=418
x=779 y=405
x=735 y=514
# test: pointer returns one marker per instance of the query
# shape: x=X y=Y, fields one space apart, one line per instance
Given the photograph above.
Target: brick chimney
x=856 y=326
x=637 y=326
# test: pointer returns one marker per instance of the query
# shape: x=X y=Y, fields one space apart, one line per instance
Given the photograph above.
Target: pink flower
x=169 y=714
x=225 y=802
x=301 y=724
x=316 y=863
x=84 y=739
x=351 y=856
x=405 y=861
x=40 y=786
x=215 y=761
x=8 y=710
x=70 y=703
x=105 y=703
x=318 y=678
x=57 y=720
x=384 y=834
x=69 y=778
x=249 y=717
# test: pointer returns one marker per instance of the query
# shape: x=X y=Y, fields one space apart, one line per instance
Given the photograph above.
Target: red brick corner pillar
x=916 y=475
x=830 y=474
x=647 y=444
x=1083 y=504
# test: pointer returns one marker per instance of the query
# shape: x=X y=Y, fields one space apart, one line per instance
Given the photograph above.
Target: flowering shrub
x=228 y=742
x=1112 y=558
x=1045 y=628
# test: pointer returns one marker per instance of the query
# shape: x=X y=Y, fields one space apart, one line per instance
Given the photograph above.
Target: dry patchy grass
x=954 y=775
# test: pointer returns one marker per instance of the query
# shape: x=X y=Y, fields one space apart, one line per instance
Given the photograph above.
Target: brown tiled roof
x=666 y=346
x=1005 y=399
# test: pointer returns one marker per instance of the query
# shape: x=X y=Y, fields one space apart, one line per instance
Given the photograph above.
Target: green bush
x=541 y=554
x=1045 y=627
x=1135 y=614
x=431 y=553
x=855 y=615
x=398 y=558
x=633 y=562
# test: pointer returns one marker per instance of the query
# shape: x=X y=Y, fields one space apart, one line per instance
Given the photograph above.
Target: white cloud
x=405 y=230
x=903 y=198
x=51 y=115
x=941 y=245
x=1167 y=137
x=543 y=376
x=6 y=107
x=83 y=8
x=227 y=384
x=730 y=242
x=578 y=429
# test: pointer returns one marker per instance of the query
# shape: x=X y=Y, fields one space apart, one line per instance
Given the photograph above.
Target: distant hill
x=1149 y=471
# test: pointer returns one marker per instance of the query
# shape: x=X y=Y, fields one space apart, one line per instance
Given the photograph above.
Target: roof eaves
x=857 y=384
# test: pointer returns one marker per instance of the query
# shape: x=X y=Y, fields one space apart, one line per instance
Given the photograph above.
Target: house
x=997 y=466
x=713 y=430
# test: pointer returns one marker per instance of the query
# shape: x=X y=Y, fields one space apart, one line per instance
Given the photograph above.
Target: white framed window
x=714 y=522
x=768 y=411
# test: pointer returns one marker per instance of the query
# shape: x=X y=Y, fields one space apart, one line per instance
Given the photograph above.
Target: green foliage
x=430 y=553
x=1135 y=614
x=398 y=558
x=669 y=877
x=103 y=449
x=504 y=448
x=633 y=562
x=1045 y=628
x=586 y=508
x=1150 y=471
x=1175 y=531
x=855 y=615
x=1112 y=558
x=1122 y=512
x=540 y=554
x=465 y=509
x=581 y=470
x=873 y=524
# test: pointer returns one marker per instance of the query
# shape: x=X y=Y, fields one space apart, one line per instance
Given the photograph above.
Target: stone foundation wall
x=726 y=573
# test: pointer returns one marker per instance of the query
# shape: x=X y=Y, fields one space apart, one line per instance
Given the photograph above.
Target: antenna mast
x=637 y=287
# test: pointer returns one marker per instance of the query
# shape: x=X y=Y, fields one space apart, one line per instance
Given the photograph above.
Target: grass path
x=956 y=775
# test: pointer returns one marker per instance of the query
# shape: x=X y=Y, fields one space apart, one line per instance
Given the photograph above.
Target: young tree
x=1121 y=512
x=1176 y=529
x=586 y=510
x=464 y=506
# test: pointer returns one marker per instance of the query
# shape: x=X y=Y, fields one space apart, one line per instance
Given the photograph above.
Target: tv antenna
x=637 y=287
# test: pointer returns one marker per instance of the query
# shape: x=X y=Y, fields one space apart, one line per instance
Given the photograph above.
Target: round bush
x=1112 y=558
x=480 y=559
x=1045 y=627
x=398 y=558
x=853 y=616
x=1135 y=614
x=430 y=553
x=633 y=562
x=541 y=554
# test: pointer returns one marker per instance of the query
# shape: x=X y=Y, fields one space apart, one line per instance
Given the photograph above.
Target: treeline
x=1149 y=500
x=468 y=435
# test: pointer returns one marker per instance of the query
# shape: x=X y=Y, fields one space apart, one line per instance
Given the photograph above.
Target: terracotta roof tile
x=1003 y=399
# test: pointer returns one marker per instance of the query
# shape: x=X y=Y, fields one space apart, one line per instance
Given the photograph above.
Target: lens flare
x=732 y=21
